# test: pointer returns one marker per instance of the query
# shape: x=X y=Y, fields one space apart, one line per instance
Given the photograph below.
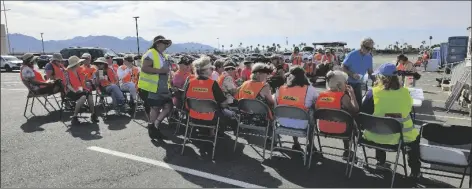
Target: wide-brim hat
x=229 y=65
x=74 y=61
x=262 y=68
x=29 y=56
x=101 y=60
x=57 y=57
x=248 y=60
x=162 y=39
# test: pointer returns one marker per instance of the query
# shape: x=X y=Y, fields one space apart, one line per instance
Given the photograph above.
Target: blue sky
x=251 y=23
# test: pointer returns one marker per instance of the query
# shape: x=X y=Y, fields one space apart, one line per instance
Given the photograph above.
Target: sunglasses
x=368 y=48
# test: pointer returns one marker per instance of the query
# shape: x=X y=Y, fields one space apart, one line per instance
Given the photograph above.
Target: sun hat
x=261 y=68
x=30 y=57
x=248 y=60
x=387 y=69
x=101 y=60
x=57 y=57
x=86 y=55
x=162 y=39
x=129 y=58
x=229 y=65
x=73 y=61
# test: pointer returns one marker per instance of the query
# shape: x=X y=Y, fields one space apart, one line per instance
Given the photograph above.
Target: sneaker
x=94 y=118
x=75 y=121
x=155 y=133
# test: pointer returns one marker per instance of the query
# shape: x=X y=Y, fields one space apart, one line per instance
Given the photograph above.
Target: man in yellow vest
x=154 y=80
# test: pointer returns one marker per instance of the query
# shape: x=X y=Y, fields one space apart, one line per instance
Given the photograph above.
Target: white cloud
x=231 y=21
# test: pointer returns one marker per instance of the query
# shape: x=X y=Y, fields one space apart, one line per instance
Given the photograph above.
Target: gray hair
x=257 y=66
x=201 y=64
x=335 y=80
x=367 y=42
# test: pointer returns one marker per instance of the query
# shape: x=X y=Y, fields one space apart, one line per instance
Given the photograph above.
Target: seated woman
x=108 y=82
x=180 y=78
x=389 y=99
x=128 y=76
x=202 y=87
x=301 y=94
x=34 y=80
x=408 y=71
x=257 y=88
x=277 y=78
x=76 y=89
x=338 y=96
x=227 y=82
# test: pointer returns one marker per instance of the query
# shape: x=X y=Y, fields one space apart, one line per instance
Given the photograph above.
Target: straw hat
x=73 y=61
x=101 y=60
x=29 y=56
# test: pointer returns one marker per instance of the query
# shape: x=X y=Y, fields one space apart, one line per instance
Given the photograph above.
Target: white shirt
x=311 y=96
x=27 y=73
x=215 y=75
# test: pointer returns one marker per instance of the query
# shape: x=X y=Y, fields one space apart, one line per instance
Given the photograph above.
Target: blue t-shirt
x=358 y=63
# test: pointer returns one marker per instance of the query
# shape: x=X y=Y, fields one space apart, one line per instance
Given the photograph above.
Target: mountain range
x=22 y=43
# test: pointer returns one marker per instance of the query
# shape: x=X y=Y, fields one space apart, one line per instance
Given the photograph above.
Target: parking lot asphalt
x=45 y=151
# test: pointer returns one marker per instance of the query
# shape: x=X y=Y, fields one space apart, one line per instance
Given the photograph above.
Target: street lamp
x=6 y=24
x=218 y=43
x=137 y=35
x=42 y=41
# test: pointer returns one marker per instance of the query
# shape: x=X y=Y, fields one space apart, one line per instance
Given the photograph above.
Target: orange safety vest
x=88 y=71
x=200 y=89
x=59 y=72
x=110 y=78
x=332 y=100
x=75 y=81
x=249 y=90
x=329 y=58
x=115 y=67
x=297 y=59
x=317 y=57
x=37 y=75
x=222 y=77
x=292 y=96
x=309 y=68
x=130 y=76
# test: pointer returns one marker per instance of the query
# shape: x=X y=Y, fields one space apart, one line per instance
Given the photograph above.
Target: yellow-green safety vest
x=388 y=102
x=149 y=82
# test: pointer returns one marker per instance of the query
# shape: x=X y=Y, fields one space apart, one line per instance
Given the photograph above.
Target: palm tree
x=251 y=47
x=293 y=45
x=430 y=38
x=263 y=47
x=278 y=47
x=240 y=44
x=258 y=45
x=231 y=45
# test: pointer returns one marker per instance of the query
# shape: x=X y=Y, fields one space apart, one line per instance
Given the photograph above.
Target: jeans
x=115 y=92
x=131 y=88
x=357 y=91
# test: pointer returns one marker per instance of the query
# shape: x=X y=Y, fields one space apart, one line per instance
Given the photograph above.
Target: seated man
x=77 y=91
x=34 y=80
x=128 y=75
x=389 y=99
x=107 y=81
x=88 y=70
x=227 y=82
x=301 y=95
x=207 y=89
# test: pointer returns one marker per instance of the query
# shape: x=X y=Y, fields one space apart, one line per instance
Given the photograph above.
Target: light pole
x=137 y=35
x=42 y=41
x=218 y=43
x=6 y=24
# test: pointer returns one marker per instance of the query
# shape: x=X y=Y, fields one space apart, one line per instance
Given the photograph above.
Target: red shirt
x=246 y=73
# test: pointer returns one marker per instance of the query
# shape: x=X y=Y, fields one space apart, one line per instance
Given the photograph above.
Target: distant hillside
x=24 y=43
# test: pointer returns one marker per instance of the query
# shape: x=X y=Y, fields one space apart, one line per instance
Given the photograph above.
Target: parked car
x=95 y=52
x=10 y=63
x=43 y=60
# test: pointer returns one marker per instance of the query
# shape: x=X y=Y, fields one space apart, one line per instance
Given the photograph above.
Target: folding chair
x=342 y=132
x=140 y=107
x=201 y=106
x=438 y=154
x=253 y=107
x=101 y=99
x=178 y=110
x=381 y=126
x=290 y=112
x=33 y=95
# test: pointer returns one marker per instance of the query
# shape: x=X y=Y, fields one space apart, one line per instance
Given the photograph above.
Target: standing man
x=154 y=79
x=356 y=64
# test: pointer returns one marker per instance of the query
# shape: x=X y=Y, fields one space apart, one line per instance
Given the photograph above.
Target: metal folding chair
x=382 y=126
x=347 y=133
x=253 y=107
x=140 y=107
x=436 y=152
x=179 y=112
x=33 y=95
x=202 y=106
x=291 y=112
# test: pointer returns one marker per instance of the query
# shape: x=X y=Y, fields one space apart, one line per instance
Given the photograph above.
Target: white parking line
x=176 y=168
x=11 y=82
x=447 y=117
x=14 y=89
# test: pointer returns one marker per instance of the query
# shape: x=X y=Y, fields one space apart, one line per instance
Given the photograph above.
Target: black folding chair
x=179 y=112
x=252 y=107
x=33 y=95
x=348 y=134
x=291 y=112
x=381 y=126
x=201 y=106
x=436 y=152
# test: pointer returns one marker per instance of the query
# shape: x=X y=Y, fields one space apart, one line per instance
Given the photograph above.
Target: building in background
x=3 y=40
